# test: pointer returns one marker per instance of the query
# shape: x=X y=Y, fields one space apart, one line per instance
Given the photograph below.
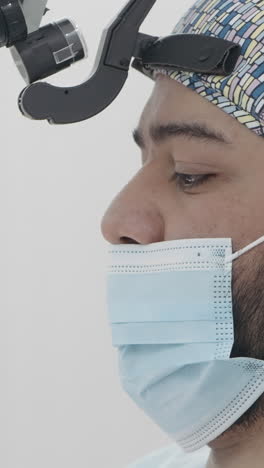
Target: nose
x=134 y=216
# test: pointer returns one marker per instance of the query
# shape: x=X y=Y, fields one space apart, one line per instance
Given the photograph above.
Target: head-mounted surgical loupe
x=41 y=52
x=49 y=50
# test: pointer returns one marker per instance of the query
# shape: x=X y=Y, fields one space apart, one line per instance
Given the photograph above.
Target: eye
x=189 y=181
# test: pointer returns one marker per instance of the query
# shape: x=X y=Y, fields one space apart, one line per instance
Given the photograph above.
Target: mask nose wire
x=240 y=252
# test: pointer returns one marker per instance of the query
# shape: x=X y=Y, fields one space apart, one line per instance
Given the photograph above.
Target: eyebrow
x=192 y=130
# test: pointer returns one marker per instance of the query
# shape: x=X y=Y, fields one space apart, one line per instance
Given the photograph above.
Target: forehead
x=171 y=100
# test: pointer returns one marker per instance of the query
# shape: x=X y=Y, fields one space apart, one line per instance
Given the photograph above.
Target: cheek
x=233 y=213
x=233 y=209
x=209 y=215
x=242 y=212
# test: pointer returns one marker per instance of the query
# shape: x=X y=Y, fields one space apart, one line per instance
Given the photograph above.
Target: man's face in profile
x=217 y=192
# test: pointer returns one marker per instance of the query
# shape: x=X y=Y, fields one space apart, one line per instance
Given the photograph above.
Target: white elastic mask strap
x=246 y=249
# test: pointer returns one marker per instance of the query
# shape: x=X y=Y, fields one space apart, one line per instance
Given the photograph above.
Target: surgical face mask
x=170 y=312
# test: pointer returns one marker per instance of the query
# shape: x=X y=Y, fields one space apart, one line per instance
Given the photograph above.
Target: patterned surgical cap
x=240 y=94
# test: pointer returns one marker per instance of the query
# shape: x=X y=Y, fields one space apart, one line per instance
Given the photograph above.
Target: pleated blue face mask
x=170 y=311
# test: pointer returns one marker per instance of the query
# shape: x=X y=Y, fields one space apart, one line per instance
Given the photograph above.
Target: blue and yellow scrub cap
x=240 y=94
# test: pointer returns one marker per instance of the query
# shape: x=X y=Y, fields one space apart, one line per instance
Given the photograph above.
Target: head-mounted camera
x=40 y=52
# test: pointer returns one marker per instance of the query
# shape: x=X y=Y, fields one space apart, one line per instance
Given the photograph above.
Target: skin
x=151 y=208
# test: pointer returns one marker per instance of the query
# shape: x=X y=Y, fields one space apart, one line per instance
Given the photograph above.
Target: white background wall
x=61 y=403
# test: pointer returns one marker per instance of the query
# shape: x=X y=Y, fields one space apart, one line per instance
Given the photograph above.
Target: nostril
x=127 y=240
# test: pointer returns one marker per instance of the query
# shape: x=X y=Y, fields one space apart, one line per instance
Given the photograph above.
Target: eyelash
x=200 y=179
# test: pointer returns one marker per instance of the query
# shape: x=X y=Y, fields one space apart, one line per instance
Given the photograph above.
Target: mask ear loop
x=234 y=256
